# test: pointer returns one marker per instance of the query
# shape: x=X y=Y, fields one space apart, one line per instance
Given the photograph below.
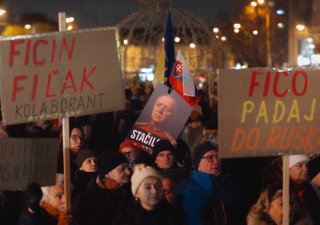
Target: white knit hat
x=294 y=159
x=141 y=172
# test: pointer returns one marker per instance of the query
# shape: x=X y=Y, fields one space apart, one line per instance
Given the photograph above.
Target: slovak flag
x=182 y=82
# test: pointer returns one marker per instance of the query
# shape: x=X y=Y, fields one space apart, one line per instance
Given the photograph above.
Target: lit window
x=280 y=12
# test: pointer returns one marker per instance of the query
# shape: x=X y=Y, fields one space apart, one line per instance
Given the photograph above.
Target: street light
x=2 y=12
x=237 y=25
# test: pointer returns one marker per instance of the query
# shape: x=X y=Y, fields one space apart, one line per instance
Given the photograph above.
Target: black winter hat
x=160 y=146
x=83 y=155
x=314 y=167
x=109 y=160
x=199 y=151
x=34 y=195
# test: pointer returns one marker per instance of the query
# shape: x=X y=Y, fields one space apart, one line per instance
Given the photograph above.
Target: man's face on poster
x=163 y=108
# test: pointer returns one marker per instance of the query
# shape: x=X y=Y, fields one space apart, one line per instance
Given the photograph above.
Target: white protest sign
x=61 y=74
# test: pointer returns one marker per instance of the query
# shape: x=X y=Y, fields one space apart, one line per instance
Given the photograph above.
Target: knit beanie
x=109 y=160
x=83 y=155
x=199 y=151
x=141 y=172
x=294 y=159
x=314 y=167
x=126 y=144
x=160 y=146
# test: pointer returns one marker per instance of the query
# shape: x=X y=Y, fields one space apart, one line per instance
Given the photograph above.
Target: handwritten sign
x=264 y=112
x=61 y=74
x=27 y=160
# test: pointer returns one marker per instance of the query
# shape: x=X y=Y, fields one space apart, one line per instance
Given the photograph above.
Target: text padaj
x=265 y=112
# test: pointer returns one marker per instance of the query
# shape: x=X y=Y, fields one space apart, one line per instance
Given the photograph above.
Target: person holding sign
x=76 y=144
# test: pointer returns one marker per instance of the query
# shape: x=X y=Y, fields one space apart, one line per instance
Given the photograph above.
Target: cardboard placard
x=58 y=75
x=265 y=112
x=163 y=117
x=25 y=160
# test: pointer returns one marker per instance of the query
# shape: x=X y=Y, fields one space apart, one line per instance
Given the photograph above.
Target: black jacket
x=40 y=217
x=98 y=206
x=134 y=214
x=312 y=202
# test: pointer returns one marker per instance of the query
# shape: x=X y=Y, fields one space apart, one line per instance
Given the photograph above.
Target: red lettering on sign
x=85 y=77
x=54 y=72
x=253 y=82
x=17 y=88
x=64 y=46
x=13 y=51
x=293 y=81
x=34 y=86
x=27 y=57
x=69 y=76
x=37 y=62
x=42 y=50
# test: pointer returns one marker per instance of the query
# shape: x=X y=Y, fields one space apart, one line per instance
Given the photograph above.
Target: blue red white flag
x=182 y=82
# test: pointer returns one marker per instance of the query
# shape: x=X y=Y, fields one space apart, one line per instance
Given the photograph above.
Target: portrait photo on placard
x=163 y=117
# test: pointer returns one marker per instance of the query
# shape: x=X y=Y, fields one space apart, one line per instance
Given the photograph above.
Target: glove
x=34 y=195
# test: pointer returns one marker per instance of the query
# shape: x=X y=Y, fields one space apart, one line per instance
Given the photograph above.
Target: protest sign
x=58 y=75
x=163 y=117
x=25 y=160
x=265 y=112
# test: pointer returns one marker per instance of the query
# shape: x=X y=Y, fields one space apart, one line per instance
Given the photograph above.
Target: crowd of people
x=114 y=182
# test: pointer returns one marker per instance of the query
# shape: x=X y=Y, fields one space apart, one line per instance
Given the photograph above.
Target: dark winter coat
x=312 y=202
x=134 y=214
x=98 y=206
x=40 y=217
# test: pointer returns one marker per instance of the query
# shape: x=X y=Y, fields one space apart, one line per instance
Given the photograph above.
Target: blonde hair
x=262 y=205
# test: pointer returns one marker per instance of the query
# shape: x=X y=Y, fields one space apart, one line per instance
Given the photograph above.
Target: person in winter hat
x=208 y=189
x=149 y=206
x=163 y=155
x=109 y=193
x=86 y=160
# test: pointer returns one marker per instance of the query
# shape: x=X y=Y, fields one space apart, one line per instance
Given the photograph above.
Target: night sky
x=110 y=12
